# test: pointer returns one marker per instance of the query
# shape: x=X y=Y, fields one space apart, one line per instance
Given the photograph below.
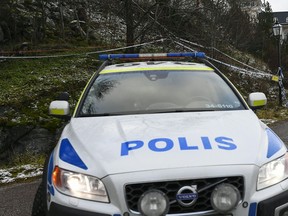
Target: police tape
x=226 y=55
x=127 y=47
x=245 y=71
x=192 y=43
x=189 y=48
x=260 y=74
x=32 y=51
x=244 y=64
x=40 y=57
x=234 y=68
x=84 y=54
x=255 y=73
x=283 y=100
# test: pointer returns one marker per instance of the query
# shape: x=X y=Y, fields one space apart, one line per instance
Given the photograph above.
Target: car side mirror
x=257 y=100
x=60 y=109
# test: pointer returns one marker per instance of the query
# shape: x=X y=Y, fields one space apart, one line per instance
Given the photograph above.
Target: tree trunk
x=43 y=19
x=82 y=32
x=61 y=19
x=129 y=26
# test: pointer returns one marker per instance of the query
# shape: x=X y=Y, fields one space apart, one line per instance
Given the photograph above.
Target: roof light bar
x=152 y=55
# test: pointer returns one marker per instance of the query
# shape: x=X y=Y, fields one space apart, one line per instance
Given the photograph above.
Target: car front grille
x=205 y=188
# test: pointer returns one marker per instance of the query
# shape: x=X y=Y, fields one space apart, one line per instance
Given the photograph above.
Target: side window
x=286 y=19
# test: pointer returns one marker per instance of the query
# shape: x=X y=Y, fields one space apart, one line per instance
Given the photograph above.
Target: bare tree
x=129 y=18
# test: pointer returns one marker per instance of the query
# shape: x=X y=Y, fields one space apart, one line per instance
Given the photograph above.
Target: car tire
x=40 y=200
x=39 y=203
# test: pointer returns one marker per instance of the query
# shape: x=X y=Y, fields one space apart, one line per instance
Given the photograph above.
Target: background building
x=282 y=18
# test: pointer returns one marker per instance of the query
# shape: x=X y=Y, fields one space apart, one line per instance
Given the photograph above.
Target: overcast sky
x=278 y=5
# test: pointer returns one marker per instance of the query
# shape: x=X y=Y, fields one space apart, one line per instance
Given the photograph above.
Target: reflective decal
x=168 y=144
x=51 y=189
x=206 y=143
x=259 y=103
x=49 y=174
x=253 y=209
x=133 y=69
x=50 y=169
x=274 y=143
x=131 y=145
x=225 y=143
x=68 y=154
x=57 y=111
x=182 y=143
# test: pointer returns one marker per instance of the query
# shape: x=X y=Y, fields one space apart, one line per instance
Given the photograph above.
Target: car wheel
x=39 y=203
x=40 y=200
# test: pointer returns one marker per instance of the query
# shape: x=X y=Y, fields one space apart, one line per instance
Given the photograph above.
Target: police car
x=157 y=136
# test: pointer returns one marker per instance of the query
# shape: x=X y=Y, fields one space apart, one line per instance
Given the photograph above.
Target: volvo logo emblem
x=187 y=195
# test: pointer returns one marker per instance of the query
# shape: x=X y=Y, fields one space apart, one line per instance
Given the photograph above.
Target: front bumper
x=276 y=205
x=254 y=203
x=56 y=209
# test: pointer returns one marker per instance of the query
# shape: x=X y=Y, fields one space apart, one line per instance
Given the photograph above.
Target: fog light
x=153 y=203
x=225 y=197
x=284 y=213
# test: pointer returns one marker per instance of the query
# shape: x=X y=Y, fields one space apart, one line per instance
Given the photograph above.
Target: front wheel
x=40 y=200
x=39 y=203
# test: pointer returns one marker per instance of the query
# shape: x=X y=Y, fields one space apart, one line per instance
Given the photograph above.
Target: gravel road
x=16 y=200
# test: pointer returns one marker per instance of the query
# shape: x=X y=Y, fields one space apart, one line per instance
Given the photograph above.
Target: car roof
x=155 y=66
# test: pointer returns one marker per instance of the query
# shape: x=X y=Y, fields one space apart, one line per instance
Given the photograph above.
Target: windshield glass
x=158 y=91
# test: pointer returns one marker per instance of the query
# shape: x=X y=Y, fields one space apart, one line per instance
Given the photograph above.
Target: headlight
x=79 y=185
x=273 y=172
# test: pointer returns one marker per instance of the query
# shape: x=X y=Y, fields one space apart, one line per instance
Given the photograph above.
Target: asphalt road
x=17 y=200
x=281 y=129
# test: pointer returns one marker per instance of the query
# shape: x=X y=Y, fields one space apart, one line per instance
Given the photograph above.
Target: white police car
x=163 y=138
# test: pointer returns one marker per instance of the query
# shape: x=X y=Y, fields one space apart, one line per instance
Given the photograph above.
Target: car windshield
x=158 y=91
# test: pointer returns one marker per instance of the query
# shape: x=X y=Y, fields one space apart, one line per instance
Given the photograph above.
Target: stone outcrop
x=25 y=139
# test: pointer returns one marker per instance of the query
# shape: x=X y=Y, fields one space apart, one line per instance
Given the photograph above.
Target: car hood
x=130 y=143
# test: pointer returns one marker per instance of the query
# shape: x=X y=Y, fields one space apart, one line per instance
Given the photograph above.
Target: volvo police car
x=163 y=137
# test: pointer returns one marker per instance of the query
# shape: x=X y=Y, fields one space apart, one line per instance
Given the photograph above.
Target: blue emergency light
x=151 y=55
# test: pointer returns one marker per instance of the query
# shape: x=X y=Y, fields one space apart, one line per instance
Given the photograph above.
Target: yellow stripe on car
x=82 y=93
x=124 y=69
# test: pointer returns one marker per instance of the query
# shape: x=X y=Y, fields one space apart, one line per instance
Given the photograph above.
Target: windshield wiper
x=147 y=112
x=94 y=115
x=111 y=114
x=179 y=110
